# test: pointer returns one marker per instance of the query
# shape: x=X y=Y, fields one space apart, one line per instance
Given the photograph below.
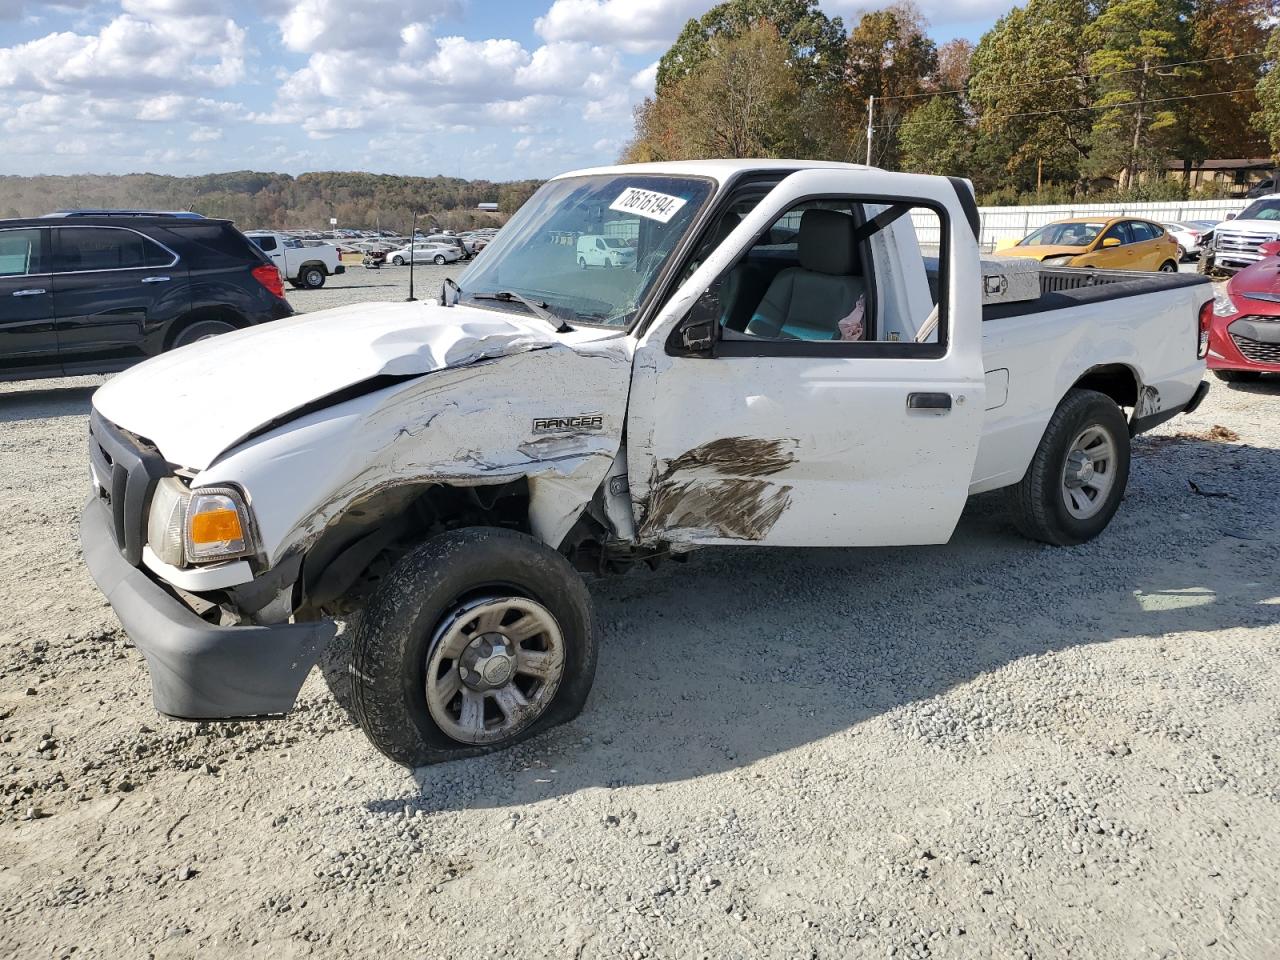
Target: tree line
x=276 y=200
x=1058 y=100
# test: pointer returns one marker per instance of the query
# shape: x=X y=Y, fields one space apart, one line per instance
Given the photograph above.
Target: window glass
x=20 y=252
x=104 y=248
x=266 y=243
x=835 y=270
x=1142 y=231
x=1070 y=234
x=537 y=253
x=1119 y=231
x=1261 y=210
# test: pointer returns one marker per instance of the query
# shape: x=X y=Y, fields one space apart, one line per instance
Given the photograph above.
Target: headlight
x=217 y=525
x=1223 y=305
x=1058 y=261
x=167 y=520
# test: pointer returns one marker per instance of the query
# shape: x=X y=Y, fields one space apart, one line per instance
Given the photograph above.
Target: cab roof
x=718 y=170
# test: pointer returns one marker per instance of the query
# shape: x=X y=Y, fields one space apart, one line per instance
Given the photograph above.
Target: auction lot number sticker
x=648 y=203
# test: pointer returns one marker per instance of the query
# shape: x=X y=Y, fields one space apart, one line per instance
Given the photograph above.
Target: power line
x=1074 y=76
x=1049 y=113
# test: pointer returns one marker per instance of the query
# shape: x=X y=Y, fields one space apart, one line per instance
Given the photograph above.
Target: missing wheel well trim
x=358 y=547
x=1114 y=380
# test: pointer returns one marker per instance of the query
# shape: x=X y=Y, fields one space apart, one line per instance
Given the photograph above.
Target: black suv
x=95 y=294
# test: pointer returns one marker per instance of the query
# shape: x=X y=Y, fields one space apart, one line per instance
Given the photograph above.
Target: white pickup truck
x=305 y=266
x=799 y=355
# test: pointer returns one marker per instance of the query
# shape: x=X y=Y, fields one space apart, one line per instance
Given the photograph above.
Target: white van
x=595 y=250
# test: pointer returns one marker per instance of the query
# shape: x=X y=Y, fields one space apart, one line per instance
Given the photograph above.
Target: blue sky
x=502 y=89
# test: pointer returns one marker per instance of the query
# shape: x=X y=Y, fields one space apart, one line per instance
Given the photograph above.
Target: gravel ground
x=984 y=749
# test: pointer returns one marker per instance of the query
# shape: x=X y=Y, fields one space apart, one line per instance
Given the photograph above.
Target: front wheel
x=477 y=640
x=1077 y=477
x=439 y=260
x=582 y=263
x=398 y=261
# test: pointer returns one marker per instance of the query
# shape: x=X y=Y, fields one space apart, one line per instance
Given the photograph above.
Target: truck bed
x=1063 y=287
x=1134 y=334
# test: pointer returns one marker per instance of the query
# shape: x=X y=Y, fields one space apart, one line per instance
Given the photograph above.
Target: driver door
x=793 y=439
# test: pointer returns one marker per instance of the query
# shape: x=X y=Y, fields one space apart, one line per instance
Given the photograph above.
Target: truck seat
x=809 y=301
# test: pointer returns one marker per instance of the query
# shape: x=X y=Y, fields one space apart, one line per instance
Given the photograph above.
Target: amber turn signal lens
x=216 y=526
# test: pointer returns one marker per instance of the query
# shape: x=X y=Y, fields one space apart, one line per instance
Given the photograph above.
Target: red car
x=1244 y=335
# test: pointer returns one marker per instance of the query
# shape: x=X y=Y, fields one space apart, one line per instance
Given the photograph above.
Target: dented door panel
x=815 y=450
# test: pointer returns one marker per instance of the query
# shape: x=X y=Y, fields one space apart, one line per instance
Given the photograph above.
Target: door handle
x=30 y=293
x=929 y=402
x=155 y=279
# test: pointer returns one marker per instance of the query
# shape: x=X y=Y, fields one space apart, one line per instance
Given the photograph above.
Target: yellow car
x=1118 y=243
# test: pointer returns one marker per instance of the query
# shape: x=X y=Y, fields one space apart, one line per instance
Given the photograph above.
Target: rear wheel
x=1238 y=376
x=477 y=640
x=582 y=263
x=201 y=330
x=1077 y=477
x=1168 y=267
x=439 y=260
x=312 y=277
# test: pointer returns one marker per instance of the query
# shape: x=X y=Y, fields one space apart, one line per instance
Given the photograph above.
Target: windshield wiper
x=536 y=307
x=444 y=299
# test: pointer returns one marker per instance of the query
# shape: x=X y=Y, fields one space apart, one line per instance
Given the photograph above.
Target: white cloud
x=311 y=26
x=644 y=81
x=632 y=25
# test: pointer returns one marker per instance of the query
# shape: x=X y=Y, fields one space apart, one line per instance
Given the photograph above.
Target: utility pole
x=871 y=112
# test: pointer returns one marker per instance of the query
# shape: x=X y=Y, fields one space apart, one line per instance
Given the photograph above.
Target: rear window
x=215 y=244
x=265 y=243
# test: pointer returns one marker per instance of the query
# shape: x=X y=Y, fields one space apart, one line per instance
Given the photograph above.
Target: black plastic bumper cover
x=1151 y=421
x=200 y=671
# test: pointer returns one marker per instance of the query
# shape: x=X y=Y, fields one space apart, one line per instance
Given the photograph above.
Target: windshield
x=1261 y=210
x=1063 y=235
x=537 y=254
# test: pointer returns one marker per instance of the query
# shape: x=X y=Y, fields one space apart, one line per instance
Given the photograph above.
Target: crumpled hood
x=197 y=402
x=1041 y=251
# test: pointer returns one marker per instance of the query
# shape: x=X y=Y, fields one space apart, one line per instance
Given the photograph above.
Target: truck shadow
x=18 y=405
x=741 y=655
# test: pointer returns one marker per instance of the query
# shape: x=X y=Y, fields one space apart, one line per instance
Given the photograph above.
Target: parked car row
x=97 y=293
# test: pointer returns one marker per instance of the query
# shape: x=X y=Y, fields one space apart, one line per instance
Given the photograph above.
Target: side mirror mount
x=696 y=334
x=1231 y=216
x=1111 y=241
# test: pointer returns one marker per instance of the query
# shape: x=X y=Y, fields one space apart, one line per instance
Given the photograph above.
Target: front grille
x=1256 y=350
x=1240 y=247
x=128 y=470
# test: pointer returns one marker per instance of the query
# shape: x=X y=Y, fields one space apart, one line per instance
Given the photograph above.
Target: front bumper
x=1245 y=341
x=199 y=671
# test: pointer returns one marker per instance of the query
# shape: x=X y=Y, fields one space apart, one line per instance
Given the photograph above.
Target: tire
x=582 y=263
x=1168 y=267
x=398 y=261
x=421 y=609
x=312 y=277
x=1182 y=253
x=1039 y=502
x=439 y=260
x=608 y=264
x=201 y=330
x=1238 y=376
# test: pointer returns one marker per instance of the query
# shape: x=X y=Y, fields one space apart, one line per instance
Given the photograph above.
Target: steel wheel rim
x=1089 y=472
x=490 y=704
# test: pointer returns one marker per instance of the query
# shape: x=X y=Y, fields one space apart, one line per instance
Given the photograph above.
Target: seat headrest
x=826 y=242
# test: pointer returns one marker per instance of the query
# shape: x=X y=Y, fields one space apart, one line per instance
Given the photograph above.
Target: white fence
x=1002 y=225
